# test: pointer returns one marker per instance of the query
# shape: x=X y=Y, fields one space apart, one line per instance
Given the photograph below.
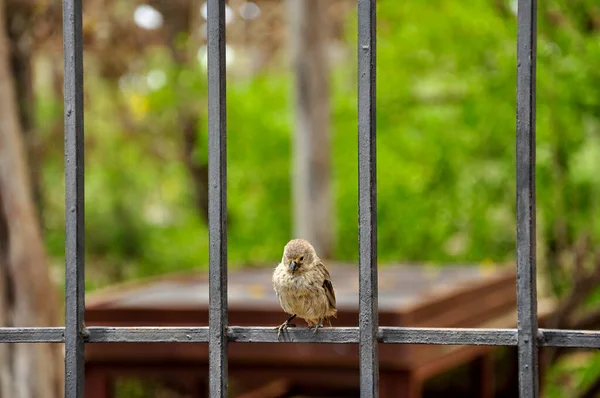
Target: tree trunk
x=19 y=20
x=311 y=175
x=27 y=297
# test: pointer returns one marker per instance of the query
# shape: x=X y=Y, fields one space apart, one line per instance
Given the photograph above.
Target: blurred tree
x=311 y=172
x=21 y=18
x=27 y=296
x=182 y=20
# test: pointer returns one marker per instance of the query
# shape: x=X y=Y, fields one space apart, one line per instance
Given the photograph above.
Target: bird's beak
x=293 y=266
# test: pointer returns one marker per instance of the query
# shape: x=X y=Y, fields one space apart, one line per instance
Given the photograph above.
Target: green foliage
x=573 y=375
x=141 y=216
x=446 y=140
x=445 y=134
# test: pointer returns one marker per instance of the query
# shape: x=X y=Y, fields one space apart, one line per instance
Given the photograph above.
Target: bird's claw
x=317 y=326
x=283 y=327
x=280 y=329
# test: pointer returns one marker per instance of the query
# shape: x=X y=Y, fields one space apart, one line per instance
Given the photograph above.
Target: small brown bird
x=303 y=286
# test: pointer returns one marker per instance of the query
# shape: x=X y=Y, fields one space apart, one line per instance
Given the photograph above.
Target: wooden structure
x=408 y=296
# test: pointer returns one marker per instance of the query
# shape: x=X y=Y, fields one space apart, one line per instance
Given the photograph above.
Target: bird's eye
x=301 y=258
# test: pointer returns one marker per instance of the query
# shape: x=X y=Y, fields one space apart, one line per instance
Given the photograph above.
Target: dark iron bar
x=336 y=335
x=217 y=199
x=389 y=335
x=32 y=335
x=459 y=336
x=74 y=199
x=526 y=211
x=367 y=201
x=148 y=334
x=570 y=338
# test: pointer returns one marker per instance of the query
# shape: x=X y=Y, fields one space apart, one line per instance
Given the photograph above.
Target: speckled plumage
x=303 y=285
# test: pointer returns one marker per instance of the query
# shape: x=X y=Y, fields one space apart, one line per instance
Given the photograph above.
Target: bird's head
x=298 y=254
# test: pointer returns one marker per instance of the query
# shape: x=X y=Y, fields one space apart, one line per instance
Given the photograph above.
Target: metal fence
x=527 y=337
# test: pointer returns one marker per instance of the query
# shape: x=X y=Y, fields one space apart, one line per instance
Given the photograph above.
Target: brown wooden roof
x=400 y=288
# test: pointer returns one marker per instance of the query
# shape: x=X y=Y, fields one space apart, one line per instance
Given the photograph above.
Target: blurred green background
x=445 y=136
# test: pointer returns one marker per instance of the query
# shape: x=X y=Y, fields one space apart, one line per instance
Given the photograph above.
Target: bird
x=303 y=286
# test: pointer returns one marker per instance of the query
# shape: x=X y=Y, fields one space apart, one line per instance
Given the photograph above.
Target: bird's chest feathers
x=296 y=285
x=296 y=294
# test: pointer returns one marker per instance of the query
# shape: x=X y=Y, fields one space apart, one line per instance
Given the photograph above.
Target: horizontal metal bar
x=454 y=336
x=343 y=335
x=336 y=335
x=386 y=335
x=148 y=334
x=570 y=338
x=32 y=335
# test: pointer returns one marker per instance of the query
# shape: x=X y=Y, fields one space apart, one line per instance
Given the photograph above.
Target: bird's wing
x=328 y=286
x=329 y=292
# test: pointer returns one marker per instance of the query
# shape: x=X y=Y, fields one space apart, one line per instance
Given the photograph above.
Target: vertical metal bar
x=367 y=198
x=526 y=205
x=74 y=199
x=217 y=199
